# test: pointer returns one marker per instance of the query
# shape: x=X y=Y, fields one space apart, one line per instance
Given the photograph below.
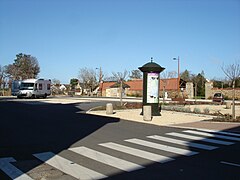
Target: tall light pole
x=100 y=80
x=178 y=86
x=100 y=74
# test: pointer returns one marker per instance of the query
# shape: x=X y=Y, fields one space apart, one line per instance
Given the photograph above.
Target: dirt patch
x=220 y=113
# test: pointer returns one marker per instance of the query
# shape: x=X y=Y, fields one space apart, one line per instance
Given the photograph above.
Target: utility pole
x=178 y=85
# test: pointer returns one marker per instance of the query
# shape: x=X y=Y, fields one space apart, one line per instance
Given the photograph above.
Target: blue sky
x=66 y=35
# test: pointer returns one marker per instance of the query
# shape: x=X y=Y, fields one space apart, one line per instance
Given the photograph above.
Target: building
x=134 y=87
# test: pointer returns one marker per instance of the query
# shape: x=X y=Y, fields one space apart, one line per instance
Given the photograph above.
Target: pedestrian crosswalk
x=197 y=138
x=137 y=152
x=182 y=142
x=162 y=147
x=68 y=166
x=106 y=159
x=156 y=148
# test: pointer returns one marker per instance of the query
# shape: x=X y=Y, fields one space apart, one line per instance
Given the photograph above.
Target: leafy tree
x=136 y=74
x=73 y=83
x=24 y=67
x=220 y=83
x=186 y=75
x=199 y=82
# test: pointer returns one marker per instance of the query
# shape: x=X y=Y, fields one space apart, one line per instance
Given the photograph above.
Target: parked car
x=218 y=97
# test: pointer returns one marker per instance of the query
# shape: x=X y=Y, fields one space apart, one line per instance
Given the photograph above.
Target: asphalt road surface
x=60 y=141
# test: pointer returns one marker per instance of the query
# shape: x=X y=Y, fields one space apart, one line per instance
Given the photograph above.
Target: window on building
x=40 y=86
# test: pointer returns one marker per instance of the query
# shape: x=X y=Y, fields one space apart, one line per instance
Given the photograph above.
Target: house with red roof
x=135 y=88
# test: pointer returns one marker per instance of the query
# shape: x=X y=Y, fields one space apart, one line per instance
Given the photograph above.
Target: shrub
x=187 y=109
x=206 y=110
x=196 y=110
x=166 y=107
x=173 y=108
x=180 y=109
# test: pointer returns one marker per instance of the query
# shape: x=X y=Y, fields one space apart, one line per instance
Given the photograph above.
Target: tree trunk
x=121 y=87
x=163 y=94
x=195 y=93
x=233 y=101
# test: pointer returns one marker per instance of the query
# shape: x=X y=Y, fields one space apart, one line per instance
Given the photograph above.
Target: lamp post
x=99 y=79
x=178 y=59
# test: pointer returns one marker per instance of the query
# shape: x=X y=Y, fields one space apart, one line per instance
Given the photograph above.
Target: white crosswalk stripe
x=220 y=132
x=212 y=135
x=106 y=159
x=68 y=167
x=197 y=138
x=181 y=142
x=137 y=152
x=171 y=149
x=11 y=170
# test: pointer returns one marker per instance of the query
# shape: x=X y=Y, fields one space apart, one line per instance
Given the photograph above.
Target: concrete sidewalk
x=173 y=119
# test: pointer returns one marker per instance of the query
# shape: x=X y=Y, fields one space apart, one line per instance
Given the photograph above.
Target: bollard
x=109 y=108
x=147 y=113
x=228 y=105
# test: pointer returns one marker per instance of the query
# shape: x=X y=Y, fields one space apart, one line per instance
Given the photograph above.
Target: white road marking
x=212 y=135
x=68 y=167
x=106 y=159
x=137 y=152
x=181 y=142
x=162 y=147
x=11 y=170
x=232 y=164
x=219 y=132
x=197 y=138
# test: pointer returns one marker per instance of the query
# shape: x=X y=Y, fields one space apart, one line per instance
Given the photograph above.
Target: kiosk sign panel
x=152 y=87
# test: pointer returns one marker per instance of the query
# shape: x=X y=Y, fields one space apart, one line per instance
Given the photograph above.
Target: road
x=59 y=141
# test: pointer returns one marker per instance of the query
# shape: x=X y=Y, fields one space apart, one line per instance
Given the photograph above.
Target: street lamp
x=100 y=74
x=178 y=86
x=100 y=79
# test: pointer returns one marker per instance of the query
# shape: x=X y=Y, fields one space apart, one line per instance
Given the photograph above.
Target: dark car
x=218 y=97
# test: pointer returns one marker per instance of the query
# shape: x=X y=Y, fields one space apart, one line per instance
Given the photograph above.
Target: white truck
x=34 y=88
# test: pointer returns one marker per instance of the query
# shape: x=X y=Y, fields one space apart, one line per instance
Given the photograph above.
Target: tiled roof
x=106 y=85
x=137 y=84
x=170 y=84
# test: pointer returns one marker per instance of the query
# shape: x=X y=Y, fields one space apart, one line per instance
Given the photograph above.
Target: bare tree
x=136 y=74
x=2 y=75
x=2 y=78
x=232 y=72
x=165 y=76
x=56 y=81
x=87 y=76
x=121 y=77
